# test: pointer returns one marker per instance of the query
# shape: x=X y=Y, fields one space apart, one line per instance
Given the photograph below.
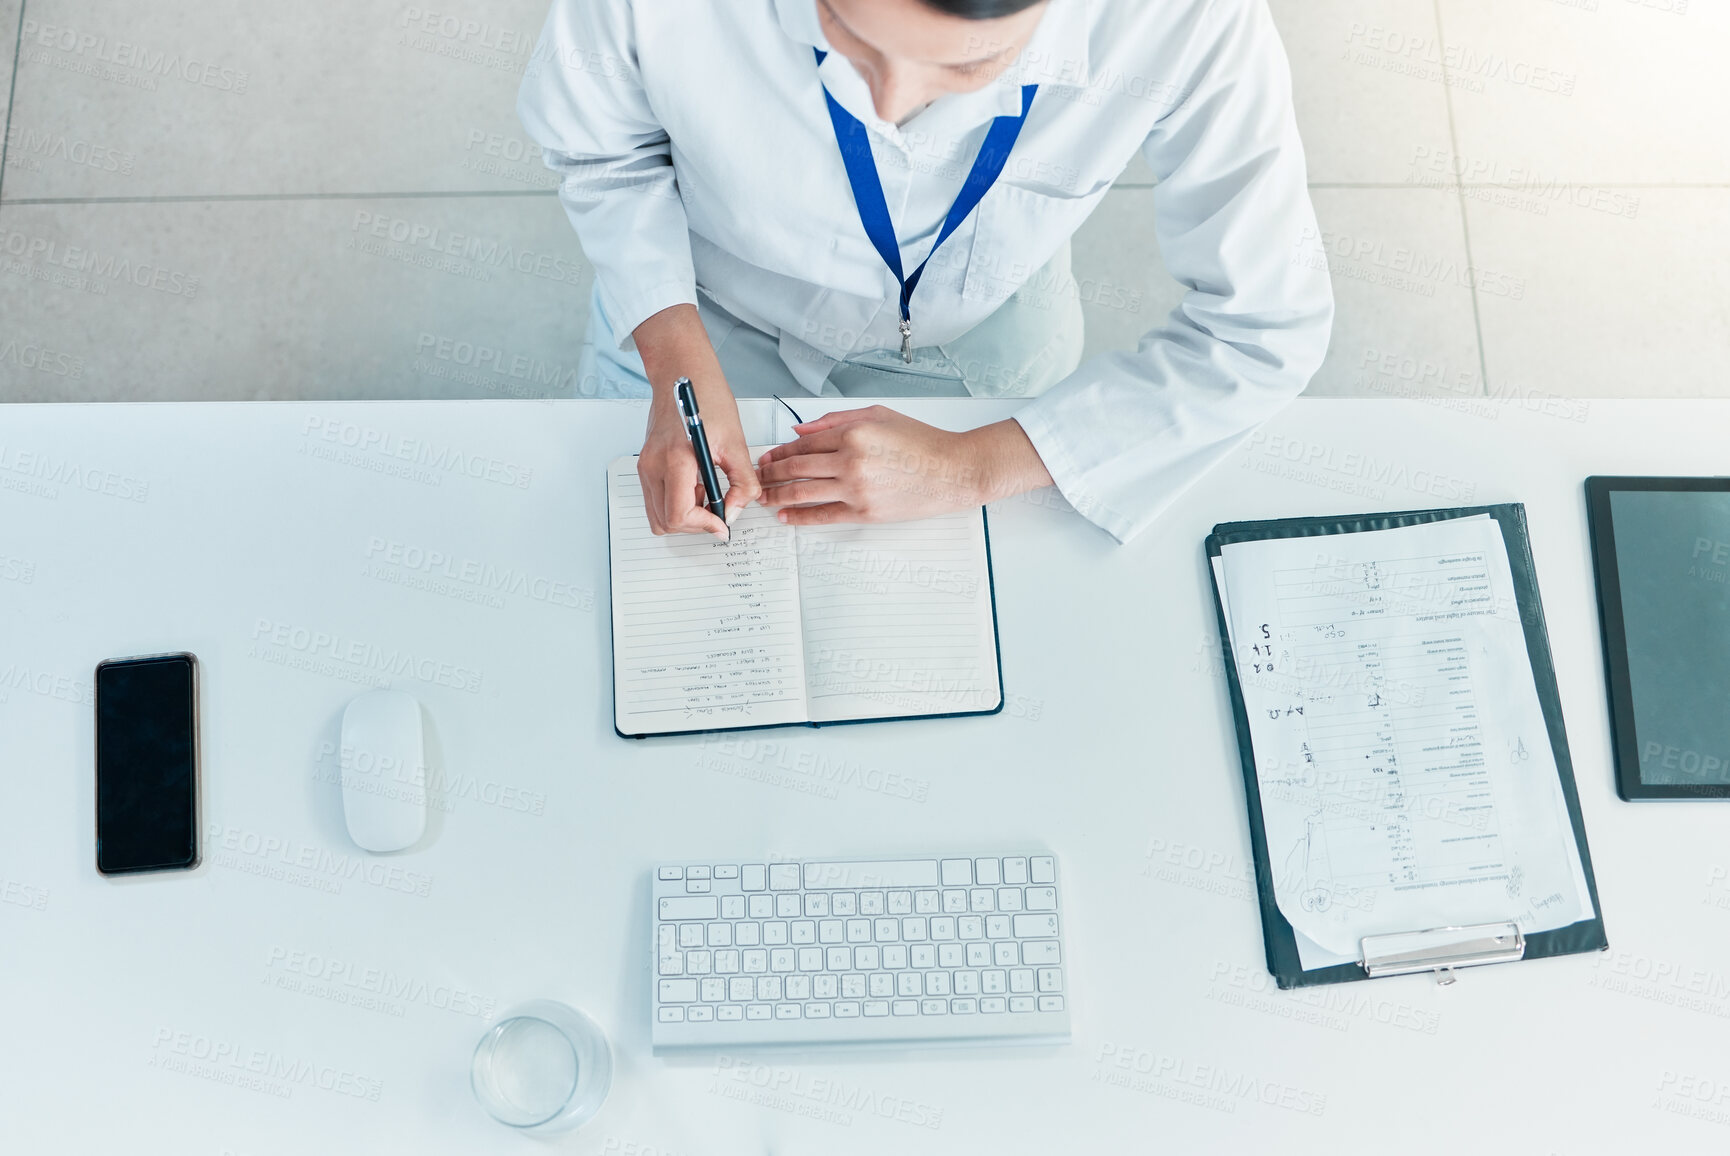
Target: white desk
x=253 y=536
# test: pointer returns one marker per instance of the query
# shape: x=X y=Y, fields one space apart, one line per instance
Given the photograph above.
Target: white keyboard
x=904 y=950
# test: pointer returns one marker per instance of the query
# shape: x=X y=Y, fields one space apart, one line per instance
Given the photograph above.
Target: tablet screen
x=1673 y=560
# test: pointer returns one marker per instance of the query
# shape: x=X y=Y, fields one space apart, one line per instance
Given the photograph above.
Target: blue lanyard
x=855 y=144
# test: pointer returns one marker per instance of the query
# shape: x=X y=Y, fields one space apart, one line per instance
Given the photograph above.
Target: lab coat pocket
x=1018 y=232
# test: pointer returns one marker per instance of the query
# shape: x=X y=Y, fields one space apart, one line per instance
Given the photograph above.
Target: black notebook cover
x=1282 y=953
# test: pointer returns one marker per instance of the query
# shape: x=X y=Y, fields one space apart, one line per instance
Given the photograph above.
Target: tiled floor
x=1558 y=170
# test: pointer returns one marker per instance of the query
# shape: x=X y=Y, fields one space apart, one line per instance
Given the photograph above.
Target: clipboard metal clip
x=1442 y=950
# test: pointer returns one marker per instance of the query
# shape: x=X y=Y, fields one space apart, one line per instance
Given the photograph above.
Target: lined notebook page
x=898 y=619
x=705 y=635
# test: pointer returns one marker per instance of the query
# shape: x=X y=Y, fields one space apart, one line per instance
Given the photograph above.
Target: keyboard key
x=843 y=903
x=840 y=958
x=798 y=987
x=973 y=927
x=727 y=961
x=713 y=990
x=824 y=986
x=1042 y=899
x=978 y=954
x=954 y=902
x=907 y=983
x=847 y=1010
x=1050 y=1003
x=871 y=903
x=880 y=983
x=701 y=1014
x=671 y=873
x=696 y=872
x=816 y=1011
x=982 y=899
x=905 y=1007
x=816 y=904
x=879 y=873
x=1050 y=979
x=895 y=957
x=913 y=928
x=853 y=986
x=924 y=956
x=678 y=991
x=786 y=1011
x=1021 y=979
x=769 y=987
x=804 y=931
x=1005 y=954
x=991 y=1005
x=934 y=1007
x=785 y=877
x=727 y=872
x=1020 y=1003
x=699 y=962
x=672 y=1015
x=670 y=962
x=689 y=907
x=876 y=1007
x=762 y=906
x=1042 y=869
x=960 y=1007
x=967 y=983
x=1036 y=952
x=943 y=927
x=756 y=960
x=997 y=927
x=732 y=907
x=731 y=1013
x=985 y=872
x=858 y=931
x=1009 y=899
x=758 y=1011
x=774 y=932
x=787 y=906
x=957 y=872
x=780 y=959
x=936 y=982
x=950 y=955
x=1041 y=926
x=868 y=958
x=690 y=935
x=925 y=902
x=747 y=934
x=1015 y=870
x=994 y=982
x=829 y=931
x=742 y=988
x=901 y=903
x=810 y=959
x=751 y=877
x=886 y=930
x=720 y=935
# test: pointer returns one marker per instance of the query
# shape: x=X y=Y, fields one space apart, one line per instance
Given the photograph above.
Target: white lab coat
x=696 y=149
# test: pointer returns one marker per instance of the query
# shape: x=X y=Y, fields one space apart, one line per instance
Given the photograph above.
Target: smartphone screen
x=146 y=764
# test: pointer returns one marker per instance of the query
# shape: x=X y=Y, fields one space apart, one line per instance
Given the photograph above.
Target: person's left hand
x=877 y=465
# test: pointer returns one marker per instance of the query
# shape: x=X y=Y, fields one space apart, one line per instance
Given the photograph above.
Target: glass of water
x=544 y=1067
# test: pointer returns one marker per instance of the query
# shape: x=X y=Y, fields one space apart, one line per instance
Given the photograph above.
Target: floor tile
x=206 y=97
x=9 y=16
x=1125 y=290
x=1362 y=110
x=1611 y=306
x=438 y=298
x=1402 y=290
x=1602 y=92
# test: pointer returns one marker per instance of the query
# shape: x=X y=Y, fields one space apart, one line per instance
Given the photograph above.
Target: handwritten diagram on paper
x=1405 y=769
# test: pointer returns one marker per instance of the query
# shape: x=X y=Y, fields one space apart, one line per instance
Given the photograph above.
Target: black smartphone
x=147 y=764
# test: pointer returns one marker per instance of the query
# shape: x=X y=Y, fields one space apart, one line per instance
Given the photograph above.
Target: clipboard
x=1440 y=950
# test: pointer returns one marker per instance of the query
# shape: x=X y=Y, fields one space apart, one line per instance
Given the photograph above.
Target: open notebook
x=797 y=625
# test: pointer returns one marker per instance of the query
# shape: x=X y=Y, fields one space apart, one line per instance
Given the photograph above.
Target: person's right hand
x=673 y=343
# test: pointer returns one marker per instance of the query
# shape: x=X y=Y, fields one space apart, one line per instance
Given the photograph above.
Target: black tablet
x=1661 y=547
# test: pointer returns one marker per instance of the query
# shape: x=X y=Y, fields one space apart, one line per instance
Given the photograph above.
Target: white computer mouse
x=383 y=771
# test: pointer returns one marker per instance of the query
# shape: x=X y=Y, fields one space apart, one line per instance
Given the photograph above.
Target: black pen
x=687 y=399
